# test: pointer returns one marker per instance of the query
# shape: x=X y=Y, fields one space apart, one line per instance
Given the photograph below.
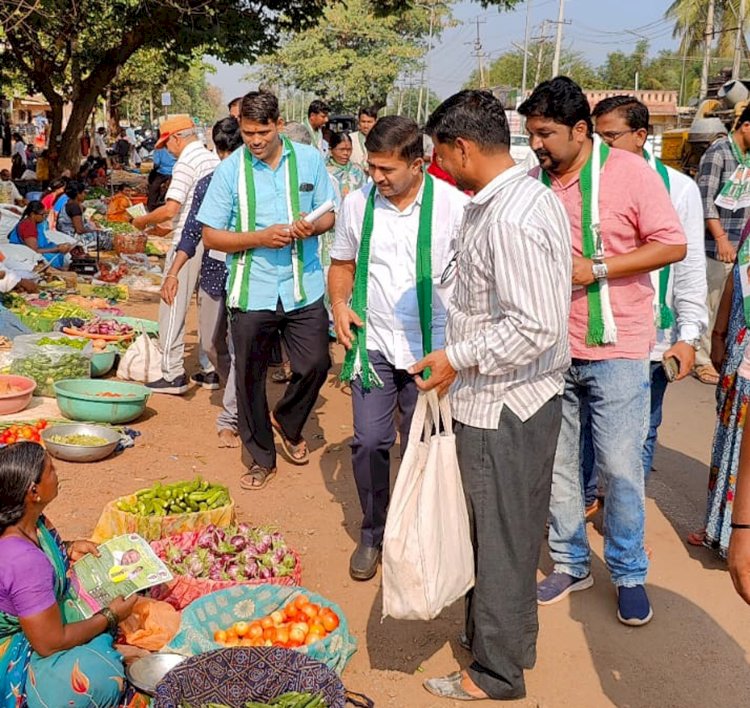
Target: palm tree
x=690 y=16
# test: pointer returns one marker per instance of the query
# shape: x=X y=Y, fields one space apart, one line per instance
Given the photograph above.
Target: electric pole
x=525 y=51
x=558 y=41
x=708 y=39
x=738 y=42
x=478 y=53
x=541 y=38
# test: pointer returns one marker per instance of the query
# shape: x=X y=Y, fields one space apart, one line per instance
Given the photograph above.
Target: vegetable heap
x=45 y=369
x=293 y=699
x=79 y=439
x=106 y=327
x=298 y=624
x=177 y=498
x=236 y=553
x=23 y=431
x=63 y=342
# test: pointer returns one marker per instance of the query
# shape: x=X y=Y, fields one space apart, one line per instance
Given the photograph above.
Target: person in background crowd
x=119 y=204
x=194 y=161
x=100 y=144
x=347 y=177
x=70 y=219
x=19 y=159
x=506 y=353
x=365 y=121
x=9 y=193
x=54 y=190
x=159 y=177
x=729 y=339
x=388 y=325
x=122 y=149
x=5 y=134
x=30 y=231
x=278 y=263
x=85 y=143
x=213 y=320
x=679 y=301
x=134 y=156
x=611 y=331
x=47 y=659
x=234 y=107
x=42 y=168
x=719 y=166
x=317 y=117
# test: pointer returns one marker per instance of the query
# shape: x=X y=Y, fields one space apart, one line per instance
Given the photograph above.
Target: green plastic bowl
x=102 y=363
x=78 y=400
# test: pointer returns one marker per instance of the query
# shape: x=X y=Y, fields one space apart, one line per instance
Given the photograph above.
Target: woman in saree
x=50 y=656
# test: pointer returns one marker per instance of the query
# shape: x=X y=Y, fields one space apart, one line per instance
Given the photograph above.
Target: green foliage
x=405 y=102
x=352 y=57
x=690 y=16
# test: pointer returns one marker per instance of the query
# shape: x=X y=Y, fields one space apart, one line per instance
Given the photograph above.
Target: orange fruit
x=220 y=636
x=241 y=628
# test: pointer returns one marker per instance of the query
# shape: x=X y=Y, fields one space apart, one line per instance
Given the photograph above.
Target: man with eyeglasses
x=389 y=282
x=623 y=227
x=194 y=161
x=679 y=302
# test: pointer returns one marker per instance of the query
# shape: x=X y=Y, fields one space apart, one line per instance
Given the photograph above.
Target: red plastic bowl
x=18 y=400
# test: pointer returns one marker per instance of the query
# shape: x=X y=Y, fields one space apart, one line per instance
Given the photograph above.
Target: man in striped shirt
x=194 y=161
x=507 y=350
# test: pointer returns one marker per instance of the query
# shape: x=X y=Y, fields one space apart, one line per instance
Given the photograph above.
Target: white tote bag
x=428 y=559
x=141 y=361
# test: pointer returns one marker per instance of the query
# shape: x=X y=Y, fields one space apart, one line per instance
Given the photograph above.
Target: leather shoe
x=364 y=562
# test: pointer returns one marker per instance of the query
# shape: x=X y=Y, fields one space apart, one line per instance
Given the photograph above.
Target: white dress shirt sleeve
x=348 y=229
x=689 y=288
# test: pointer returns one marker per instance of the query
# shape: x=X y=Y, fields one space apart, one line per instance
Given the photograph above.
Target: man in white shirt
x=100 y=144
x=366 y=119
x=9 y=193
x=194 y=161
x=317 y=117
x=680 y=290
x=381 y=231
x=507 y=350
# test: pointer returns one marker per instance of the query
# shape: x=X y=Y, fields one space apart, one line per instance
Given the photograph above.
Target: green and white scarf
x=238 y=289
x=315 y=135
x=601 y=322
x=357 y=362
x=665 y=316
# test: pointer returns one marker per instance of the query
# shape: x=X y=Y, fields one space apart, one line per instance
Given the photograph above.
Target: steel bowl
x=147 y=671
x=80 y=453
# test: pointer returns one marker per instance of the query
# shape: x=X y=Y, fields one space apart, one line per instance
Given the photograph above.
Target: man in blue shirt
x=159 y=177
x=252 y=211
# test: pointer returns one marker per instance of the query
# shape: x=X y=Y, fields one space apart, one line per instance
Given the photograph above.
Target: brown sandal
x=706 y=374
x=256 y=477
x=297 y=453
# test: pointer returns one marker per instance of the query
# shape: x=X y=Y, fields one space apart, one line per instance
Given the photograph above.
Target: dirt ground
x=692 y=655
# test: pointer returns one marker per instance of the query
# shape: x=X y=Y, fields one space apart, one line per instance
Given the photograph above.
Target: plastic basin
x=102 y=363
x=82 y=399
x=18 y=400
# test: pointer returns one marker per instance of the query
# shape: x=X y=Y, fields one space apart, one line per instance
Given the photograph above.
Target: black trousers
x=305 y=336
x=507 y=478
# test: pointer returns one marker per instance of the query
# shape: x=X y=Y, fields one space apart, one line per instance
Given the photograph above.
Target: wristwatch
x=599 y=269
x=694 y=343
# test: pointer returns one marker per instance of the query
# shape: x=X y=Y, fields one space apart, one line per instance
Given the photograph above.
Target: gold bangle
x=169 y=275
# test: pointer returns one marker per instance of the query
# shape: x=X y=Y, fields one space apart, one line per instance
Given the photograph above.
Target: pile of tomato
x=23 y=431
x=300 y=623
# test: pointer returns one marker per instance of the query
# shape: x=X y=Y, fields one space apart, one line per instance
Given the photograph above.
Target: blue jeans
x=617 y=391
x=659 y=385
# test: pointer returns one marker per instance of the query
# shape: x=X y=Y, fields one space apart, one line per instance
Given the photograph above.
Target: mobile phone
x=671 y=368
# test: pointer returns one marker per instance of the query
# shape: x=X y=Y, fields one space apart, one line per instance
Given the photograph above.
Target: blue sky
x=597 y=28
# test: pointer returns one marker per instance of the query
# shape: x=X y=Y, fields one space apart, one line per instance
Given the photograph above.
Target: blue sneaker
x=557 y=586
x=633 y=607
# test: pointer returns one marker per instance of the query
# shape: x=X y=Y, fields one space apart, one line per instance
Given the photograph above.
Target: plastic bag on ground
x=151 y=625
x=428 y=559
x=141 y=362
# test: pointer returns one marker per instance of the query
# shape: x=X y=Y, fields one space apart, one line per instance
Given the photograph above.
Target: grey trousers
x=507 y=477
x=172 y=319
x=213 y=329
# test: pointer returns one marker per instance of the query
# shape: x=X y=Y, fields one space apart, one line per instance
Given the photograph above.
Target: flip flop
x=256 y=478
x=282 y=376
x=450 y=687
x=291 y=448
x=697 y=538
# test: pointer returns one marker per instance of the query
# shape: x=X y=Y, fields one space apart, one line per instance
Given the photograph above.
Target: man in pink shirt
x=623 y=226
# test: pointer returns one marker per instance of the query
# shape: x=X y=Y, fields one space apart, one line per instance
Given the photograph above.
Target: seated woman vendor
x=31 y=231
x=70 y=220
x=49 y=654
x=119 y=204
